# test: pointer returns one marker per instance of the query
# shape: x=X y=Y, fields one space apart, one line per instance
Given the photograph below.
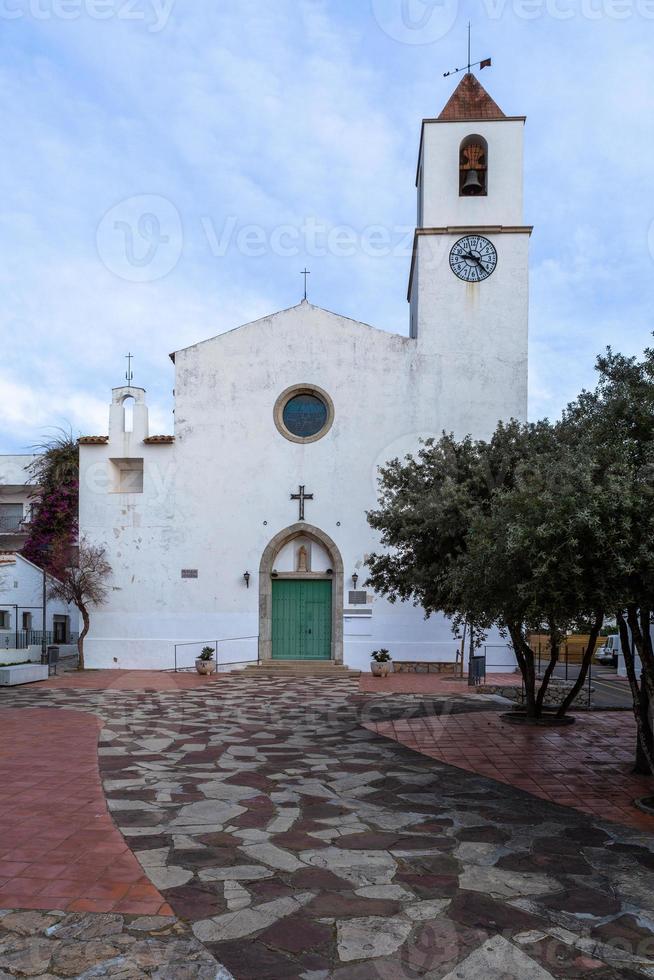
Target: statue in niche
x=302 y=559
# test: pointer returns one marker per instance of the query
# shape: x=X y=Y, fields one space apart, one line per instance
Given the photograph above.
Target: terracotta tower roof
x=470 y=100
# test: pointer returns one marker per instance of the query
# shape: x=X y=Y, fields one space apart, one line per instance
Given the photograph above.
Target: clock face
x=473 y=258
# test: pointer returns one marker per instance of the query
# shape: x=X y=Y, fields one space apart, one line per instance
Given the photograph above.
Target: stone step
x=299 y=668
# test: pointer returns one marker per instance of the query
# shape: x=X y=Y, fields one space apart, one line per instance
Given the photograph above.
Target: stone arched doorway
x=303 y=572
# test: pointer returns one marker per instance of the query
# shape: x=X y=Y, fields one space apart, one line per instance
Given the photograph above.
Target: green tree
x=617 y=420
x=500 y=533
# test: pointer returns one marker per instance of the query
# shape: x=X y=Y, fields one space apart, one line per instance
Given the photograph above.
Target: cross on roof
x=129 y=376
x=305 y=273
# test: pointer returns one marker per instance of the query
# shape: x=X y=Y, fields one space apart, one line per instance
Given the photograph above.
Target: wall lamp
x=246 y=576
x=355 y=579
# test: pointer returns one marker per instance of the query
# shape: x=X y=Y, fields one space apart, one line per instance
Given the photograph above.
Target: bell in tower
x=473 y=167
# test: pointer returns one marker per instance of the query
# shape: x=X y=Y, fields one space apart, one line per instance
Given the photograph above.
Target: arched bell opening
x=473 y=167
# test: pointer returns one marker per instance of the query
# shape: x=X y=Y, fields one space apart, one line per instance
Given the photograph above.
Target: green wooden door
x=301 y=619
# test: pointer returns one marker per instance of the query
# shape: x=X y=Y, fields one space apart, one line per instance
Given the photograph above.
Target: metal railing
x=12 y=524
x=22 y=639
x=216 y=644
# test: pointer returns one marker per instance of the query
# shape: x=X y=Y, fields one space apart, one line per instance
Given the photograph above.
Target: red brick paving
x=129 y=680
x=428 y=683
x=59 y=847
x=586 y=766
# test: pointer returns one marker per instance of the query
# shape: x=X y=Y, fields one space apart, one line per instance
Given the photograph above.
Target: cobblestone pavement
x=295 y=843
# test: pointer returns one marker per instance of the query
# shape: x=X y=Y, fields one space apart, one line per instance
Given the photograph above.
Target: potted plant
x=381 y=663
x=205 y=664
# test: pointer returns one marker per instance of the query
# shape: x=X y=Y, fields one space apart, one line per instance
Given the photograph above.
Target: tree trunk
x=525 y=657
x=595 y=631
x=644 y=763
x=555 y=646
x=82 y=636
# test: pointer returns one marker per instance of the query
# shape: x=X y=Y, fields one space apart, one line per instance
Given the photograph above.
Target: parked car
x=609 y=653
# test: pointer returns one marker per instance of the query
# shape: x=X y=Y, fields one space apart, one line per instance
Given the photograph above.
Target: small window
x=11 y=518
x=473 y=167
x=27 y=621
x=127 y=475
x=4 y=619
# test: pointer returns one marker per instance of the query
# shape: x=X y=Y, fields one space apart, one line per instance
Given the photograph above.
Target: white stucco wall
x=214 y=499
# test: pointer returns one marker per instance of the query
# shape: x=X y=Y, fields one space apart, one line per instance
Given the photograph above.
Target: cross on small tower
x=129 y=376
x=301 y=497
x=305 y=274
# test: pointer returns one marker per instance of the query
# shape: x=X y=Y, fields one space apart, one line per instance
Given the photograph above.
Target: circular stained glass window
x=304 y=413
x=305 y=416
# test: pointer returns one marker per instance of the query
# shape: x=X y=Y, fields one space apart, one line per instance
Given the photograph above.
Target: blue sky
x=250 y=137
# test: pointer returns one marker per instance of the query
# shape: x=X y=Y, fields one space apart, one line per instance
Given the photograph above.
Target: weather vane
x=486 y=63
x=129 y=376
x=305 y=274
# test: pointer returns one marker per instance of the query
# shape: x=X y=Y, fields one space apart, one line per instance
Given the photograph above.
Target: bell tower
x=469 y=282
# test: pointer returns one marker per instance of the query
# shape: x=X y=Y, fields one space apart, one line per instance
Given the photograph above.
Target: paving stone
x=28 y=956
x=71 y=959
x=152 y=923
x=254 y=961
x=28 y=923
x=482 y=912
x=169 y=877
x=219 y=790
x=273 y=856
x=236 y=896
x=297 y=934
x=236 y=925
x=237 y=872
x=360 y=867
x=424 y=911
x=86 y=927
x=368 y=938
x=578 y=899
x=393 y=893
x=208 y=813
x=498 y=959
x=506 y=884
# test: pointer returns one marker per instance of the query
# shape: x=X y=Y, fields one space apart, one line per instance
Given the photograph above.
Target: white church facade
x=248 y=524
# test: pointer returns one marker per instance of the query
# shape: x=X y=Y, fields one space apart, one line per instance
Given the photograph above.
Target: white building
x=250 y=521
x=21 y=612
x=16 y=491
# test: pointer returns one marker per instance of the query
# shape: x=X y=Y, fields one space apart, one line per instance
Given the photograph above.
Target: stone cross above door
x=301 y=497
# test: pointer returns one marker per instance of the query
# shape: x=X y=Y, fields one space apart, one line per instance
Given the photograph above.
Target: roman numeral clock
x=473 y=258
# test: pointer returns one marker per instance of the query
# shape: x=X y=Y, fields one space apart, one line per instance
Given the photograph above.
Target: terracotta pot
x=206 y=667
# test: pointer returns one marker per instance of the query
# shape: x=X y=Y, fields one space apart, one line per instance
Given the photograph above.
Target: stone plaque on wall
x=189 y=573
x=358 y=598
